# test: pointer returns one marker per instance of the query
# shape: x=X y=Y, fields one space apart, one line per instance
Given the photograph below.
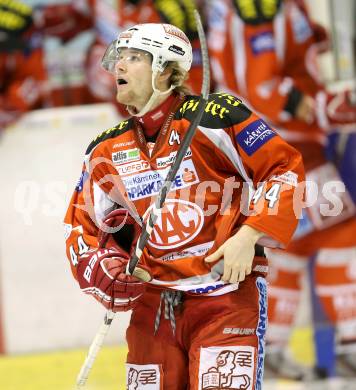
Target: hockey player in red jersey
x=204 y=257
x=264 y=51
x=110 y=19
x=21 y=62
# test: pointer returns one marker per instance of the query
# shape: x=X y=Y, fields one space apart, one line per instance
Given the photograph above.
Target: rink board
x=42 y=307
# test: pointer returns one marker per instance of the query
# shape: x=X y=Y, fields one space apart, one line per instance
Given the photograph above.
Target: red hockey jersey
x=236 y=171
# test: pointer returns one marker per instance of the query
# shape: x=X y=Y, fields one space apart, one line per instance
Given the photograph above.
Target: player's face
x=133 y=78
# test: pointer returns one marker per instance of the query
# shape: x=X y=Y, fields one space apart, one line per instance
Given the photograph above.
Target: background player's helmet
x=164 y=42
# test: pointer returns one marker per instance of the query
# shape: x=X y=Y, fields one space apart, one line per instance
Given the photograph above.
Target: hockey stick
x=158 y=205
x=94 y=349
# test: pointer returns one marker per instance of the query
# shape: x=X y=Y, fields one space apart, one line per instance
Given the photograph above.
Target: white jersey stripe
x=280 y=35
x=237 y=32
x=221 y=139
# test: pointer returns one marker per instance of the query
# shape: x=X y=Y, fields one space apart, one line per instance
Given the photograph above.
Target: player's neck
x=154 y=119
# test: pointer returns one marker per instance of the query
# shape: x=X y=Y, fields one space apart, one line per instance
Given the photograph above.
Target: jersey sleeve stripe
x=223 y=142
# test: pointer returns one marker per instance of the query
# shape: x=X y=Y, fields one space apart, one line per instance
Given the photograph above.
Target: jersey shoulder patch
x=222 y=110
x=113 y=132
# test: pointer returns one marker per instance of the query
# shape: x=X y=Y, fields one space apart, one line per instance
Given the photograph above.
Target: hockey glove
x=119 y=230
x=335 y=110
x=16 y=26
x=15 y=17
x=101 y=273
x=62 y=21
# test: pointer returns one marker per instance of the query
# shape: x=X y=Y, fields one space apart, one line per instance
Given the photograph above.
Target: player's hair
x=178 y=78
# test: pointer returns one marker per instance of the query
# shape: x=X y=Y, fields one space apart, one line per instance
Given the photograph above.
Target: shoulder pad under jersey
x=221 y=111
x=113 y=132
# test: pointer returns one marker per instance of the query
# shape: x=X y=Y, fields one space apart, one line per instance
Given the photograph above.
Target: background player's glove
x=15 y=16
x=335 y=110
x=63 y=21
x=101 y=273
x=15 y=22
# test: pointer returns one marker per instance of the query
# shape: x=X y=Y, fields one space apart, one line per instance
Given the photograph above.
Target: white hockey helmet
x=164 y=42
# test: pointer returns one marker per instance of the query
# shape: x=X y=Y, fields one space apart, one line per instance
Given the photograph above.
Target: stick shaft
x=162 y=195
x=94 y=349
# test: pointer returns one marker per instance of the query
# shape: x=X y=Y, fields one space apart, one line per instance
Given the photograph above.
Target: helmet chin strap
x=151 y=101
